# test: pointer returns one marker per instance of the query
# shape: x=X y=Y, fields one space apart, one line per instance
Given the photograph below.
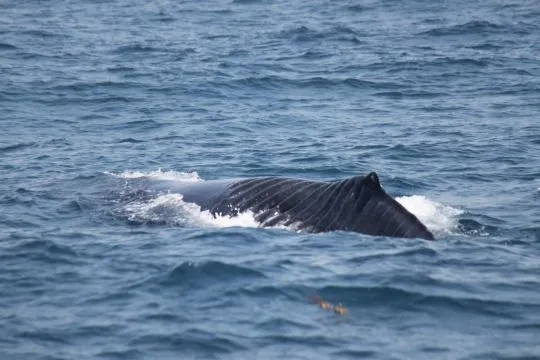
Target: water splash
x=172 y=209
x=437 y=217
x=159 y=175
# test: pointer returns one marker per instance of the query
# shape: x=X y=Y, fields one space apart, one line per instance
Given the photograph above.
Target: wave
x=135 y=48
x=44 y=251
x=210 y=271
x=398 y=296
x=337 y=33
x=6 y=46
x=280 y=82
x=471 y=27
x=15 y=147
x=191 y=340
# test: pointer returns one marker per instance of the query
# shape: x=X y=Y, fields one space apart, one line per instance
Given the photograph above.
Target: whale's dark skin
x=356 y=204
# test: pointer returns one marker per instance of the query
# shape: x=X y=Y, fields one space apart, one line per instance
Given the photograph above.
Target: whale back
x=356 y=204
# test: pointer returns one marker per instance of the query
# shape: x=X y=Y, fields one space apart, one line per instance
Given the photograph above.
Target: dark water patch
x=308 y=55
x=420 y=252
x=315 y=55
x=139 y=125
x=444 y=132
x=46 y=245
x=486 y=46
x=15 y=147
x=135 y=49
x=164 y=317
x=122 y=354
x=263 y=292
x=343 y=29
x=181 y=54
x=164 y=18
x=356 y=354
x=301 y=34
x=45 y=251
x=370 y=147
x=71 y=207
x=447 y=63
x=121 y=69
x=532 y=232
x=304 y=34
x=18 y=223
x=192 y=340
x=247 y=2
x=45 y=34
x=97 y=330
x=234 y=236
x=402 y=151
x=88 y=178
x=309 y=159
x=504 y=355
x=277 y=82
x=6 y=46
x=482 y=62
x=300 y=339
x=220 y=36
x=357 y=8
x=44 y=56
x=524 y=327
x=61 y=100
x=94 y=117
x=110 y=297
x=397 y=95
x=130 y=141
x=279 y=323
x=170 y=137
x=17 y=200
x=218 y=11
x=469 y=28
x=209 y=272
x=93 y=86
x=46 y=336
x=58 y=142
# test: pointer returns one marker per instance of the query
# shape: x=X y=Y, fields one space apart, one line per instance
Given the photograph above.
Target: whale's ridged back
x=355 y=204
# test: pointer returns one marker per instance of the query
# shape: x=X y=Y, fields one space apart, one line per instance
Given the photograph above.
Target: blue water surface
x=442 y=99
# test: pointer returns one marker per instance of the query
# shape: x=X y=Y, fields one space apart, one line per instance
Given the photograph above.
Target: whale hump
x=356 y=204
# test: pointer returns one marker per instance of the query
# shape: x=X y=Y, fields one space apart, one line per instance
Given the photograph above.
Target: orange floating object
x=323 y=304
x=341 y=310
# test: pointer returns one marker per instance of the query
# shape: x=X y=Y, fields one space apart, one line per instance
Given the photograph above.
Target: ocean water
x=99 y=98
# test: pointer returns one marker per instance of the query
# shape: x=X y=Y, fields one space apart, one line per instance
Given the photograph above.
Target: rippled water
x=100 y=99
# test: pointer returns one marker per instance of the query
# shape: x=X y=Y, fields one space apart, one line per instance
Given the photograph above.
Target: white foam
x=437 y=217
x=171 y=209
x=159 y=175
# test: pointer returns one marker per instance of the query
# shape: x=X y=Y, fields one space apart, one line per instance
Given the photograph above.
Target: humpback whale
x=357 y=204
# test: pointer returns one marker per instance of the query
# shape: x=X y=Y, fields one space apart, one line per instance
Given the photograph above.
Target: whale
x=356 y=204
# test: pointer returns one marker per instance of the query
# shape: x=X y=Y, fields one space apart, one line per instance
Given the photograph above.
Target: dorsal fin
x=373 y=180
